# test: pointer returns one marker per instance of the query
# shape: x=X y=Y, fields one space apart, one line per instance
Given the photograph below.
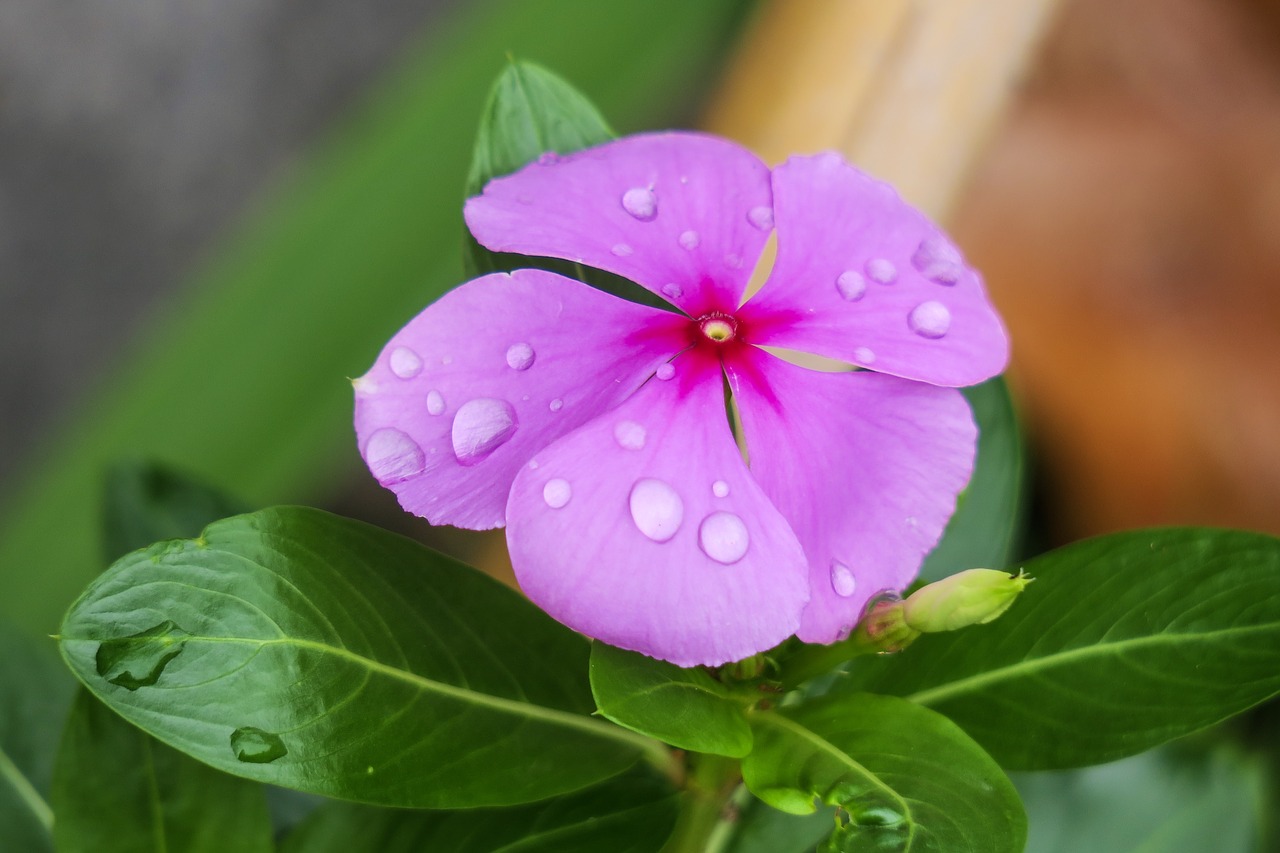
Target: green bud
x=884 y=630
x=972 y=597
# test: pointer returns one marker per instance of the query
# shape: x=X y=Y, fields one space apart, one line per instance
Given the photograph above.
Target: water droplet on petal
x=674 y=291
x=761 y=217
x=255 y=746
x=621 y=250
x=665 y=371
x=405 y=363
x=556 y=405
x=533 y=464
x=629 y=435
x=447 y=360
x=435 y=403
x=656 y=509
x=480 y=427
x=842 y=580
x=864 y=355
x=548 y=158
x=520 y=356
x=723 y=537
x=720 y=489
x=938 y=260
x=930 y=319
x=851 y=285
x=393 y=456
x=689 y=240
x=881 y=271
x=640 y=202
x=138 y=660
x=733 y=262
x=557 y=493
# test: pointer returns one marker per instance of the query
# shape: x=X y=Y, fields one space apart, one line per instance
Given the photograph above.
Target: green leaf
x=631 y=814
x=118 y=789
x=35 y=694
x=1122 y=643
x=908 y=779
x=763 y=829
x=986 y=528
x=329 y=656
x=686 y=708
x=146 y=502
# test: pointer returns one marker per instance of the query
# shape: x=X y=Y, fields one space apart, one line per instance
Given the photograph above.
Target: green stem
x=810 y=661
x=711 y=783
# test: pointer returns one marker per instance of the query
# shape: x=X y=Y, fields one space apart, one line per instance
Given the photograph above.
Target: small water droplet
x=255 y=746
x=938 y=260
x=629 y=435
x=621 y=250
x=139 y=659
x=674 y=291
x=723 y=537
x=665 y=371
x=480 y=427
x=690 y=240
x=881 y=271
x=656 y=509
x=392 y=456
x=720 y=489
x=864 y=355
x=557 y=493
x=435 y=403
x=556 y=405
x=520 y=356
x=851 y=285
x=930 y=319
x=447 y=360
x=641 y=203
x=405 y=363
x=877 y=816
x=548 y=158
x=842 y=580
x=733 y=262
x=533 y=464
x=761 y=217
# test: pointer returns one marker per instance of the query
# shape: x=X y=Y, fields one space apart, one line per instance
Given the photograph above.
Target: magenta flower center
x=717 y=327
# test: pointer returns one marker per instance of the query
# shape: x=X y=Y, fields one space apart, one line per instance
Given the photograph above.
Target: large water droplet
x=665 y=371
x=139 y=659
x=656 y=509
x=629 y=435
x=621 y=250
x=864 y=355
x=761 y=217
x=435 y=403
x=881 y=271
x=556 y=405
x=842 y=579
x=480 y=427
x=255 y=746
x=723 y=537
x=557 y=493
x=405 y=363
x=520 y=356
x=673 y=291
x=689 y=240
x=720 y=489
x=640 y=202
x=938 y=260
x=393 y=456
x=851 y=285
x=930 y=320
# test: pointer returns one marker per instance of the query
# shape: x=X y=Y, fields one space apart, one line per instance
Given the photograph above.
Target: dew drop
x=656 y=509
x=629 y=435
x=255 y=746
x=480 y=427
x=930 y=319
x=733 y=262
x=723 y=537
x=621 y=250
x=435 y=403
x=938 y=260
x=405 y=363
x=556 y=405
x=842 y=580
x=674 y=291
x=881 y=271
x=851 y=285
x=761 y=217
x=864 y=355
x=665 y=371
x=139 y=659
x=720 y=489
x=690 y=240
x=641 y=203
x=520 y=356
x=393 y=456
x=548 y=158
x=557 y=493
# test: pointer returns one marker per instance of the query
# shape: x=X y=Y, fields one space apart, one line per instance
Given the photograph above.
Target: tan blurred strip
x=906 y=89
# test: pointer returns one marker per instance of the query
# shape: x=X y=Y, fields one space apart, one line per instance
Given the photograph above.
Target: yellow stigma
x=717 y=329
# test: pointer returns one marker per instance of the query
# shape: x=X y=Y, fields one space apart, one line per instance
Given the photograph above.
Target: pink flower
x=596 y=429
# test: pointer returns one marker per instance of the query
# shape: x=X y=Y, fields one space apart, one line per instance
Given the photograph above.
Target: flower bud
x=883 y=629
x=972 y=597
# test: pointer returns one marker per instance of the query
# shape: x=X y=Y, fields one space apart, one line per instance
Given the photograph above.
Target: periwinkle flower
x=596 y=429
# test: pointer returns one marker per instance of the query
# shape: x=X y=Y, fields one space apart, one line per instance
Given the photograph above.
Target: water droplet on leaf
x=930 y=320
x=394 y=457
x=641 y=203
x=629 y=435
x=557 y=493
x=656 y=509
x=723 y=537
x=405 y=363
x=480 y=427
x=139 y=659
x=520 y=356
x=255 y=746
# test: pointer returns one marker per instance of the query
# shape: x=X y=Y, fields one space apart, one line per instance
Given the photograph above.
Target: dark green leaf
x=763 y=829
x=332 y=657
x=905 y=778
x=1122 y=643
x=118 y=789
x=35 y=692
x=146 y=503
x=631 y=814
x=985 y=530
x=683 y=707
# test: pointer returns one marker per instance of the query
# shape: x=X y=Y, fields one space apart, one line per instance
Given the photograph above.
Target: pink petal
x=866 y=468
x=491 y=373
x=644 y=529
x=683 y=214
x=863 y=277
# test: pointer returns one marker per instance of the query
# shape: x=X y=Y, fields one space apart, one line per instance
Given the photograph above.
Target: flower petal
x=865 y=467
x=864 y=277
x=682 y=214
x=494 y=371
x=644 y=529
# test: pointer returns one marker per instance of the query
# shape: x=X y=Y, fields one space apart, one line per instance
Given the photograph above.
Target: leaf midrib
x=27 y=792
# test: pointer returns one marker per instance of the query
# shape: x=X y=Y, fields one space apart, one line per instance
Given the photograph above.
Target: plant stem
x=711 y=782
